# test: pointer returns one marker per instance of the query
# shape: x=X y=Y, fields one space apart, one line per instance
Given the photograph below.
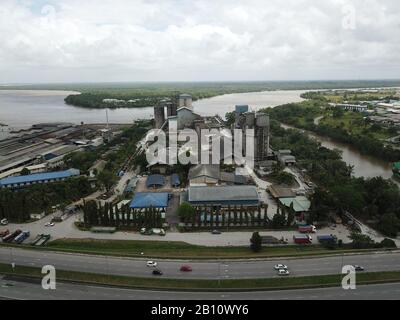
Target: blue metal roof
x=39 y=177
x=155 y=180
x=149 y=200
x=175 y=181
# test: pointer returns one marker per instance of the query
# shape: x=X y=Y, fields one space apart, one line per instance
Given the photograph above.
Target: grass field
x=177 y=250
x=271 y=283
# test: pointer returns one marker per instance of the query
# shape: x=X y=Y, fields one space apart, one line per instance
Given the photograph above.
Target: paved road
x=33 y=291
x=67 y=229
x=201 y=270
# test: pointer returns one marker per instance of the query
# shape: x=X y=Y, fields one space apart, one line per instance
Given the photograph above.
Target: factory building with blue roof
x=144 y=200
x=40 y=178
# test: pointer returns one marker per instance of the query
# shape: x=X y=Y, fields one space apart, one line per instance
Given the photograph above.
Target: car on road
x=216 y=232
x=157 y=272
x=4 y=222
x=283 y=272
x=50 y=224
x=151 y=264
x=186 y=268
x=281 y=267
x=358 y=268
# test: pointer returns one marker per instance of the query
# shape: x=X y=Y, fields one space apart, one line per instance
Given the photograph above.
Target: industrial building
x=144 y=200
x=349 y=107
x=39 y=178
x=223 y=196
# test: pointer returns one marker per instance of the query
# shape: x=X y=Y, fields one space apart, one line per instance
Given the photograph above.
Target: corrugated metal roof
x=208 y=170
x=300 y=204
x=155 y=180
x=149 y=200
x=228 y=195
x=40 y=177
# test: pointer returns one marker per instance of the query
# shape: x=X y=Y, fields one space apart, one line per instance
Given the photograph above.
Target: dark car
x=157 y=272
x=358 y=268
x=186 y=268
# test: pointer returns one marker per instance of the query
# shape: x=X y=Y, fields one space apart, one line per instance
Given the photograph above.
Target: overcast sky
x=190 y=40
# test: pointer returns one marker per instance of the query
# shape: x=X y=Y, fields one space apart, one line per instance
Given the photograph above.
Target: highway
x=373 y=262
x=18 y=290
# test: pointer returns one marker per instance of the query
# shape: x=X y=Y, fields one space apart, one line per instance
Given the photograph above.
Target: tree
x=186 y=211
x=256 y=242
x=278 y=221
x=25 y=172
x=107 y=179
x=389 y=225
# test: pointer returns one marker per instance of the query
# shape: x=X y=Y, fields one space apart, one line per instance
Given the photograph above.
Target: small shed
x=175 y=181
x=155 y=181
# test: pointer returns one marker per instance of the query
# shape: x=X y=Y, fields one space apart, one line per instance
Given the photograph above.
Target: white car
x=151 y=264
x=4 y=222
x=50 y=224
x=283 y=272
x=281 y=267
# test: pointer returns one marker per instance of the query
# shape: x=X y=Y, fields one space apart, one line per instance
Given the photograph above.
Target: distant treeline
x=147 y=94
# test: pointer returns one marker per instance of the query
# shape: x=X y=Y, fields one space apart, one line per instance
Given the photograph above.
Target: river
x=22 y=108
x=364 y=166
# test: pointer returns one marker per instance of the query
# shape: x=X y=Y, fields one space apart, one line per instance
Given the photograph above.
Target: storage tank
x=250 y=119
x=262 y=120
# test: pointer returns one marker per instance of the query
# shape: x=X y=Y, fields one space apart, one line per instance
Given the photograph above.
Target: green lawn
x=271 y=283
x=161 y=249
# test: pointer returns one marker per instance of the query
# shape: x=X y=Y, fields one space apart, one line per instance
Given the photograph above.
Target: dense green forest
x=375 y=200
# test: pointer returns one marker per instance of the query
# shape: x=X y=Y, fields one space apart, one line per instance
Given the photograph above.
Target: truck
x=4 y=233
x=22 y=237
x=307 y=229
x=9 y=238
x=327 y=238
x=43 y=240
x=302 y=239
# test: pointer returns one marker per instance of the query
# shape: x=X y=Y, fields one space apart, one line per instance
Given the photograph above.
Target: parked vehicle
x=37 y=239
x=216 y=232
x=4 y=233
x=326 y=238
x=283 y=272
x=186 y=268
x=22 y=237
x=151 y=264
x=302 y=239
x=4 y=222
x=280 y=267
x=43 y=240
x=9 y=238
x=157 y=272
x=307 y=229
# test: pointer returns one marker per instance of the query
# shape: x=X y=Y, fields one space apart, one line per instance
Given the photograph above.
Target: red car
x=186 y=268
x=4 y=233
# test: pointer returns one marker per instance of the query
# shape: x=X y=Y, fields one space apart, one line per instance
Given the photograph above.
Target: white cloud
x=124 y=40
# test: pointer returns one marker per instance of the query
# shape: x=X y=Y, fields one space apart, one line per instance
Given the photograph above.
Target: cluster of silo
x=159 y=111
x=185 y=101
x=260 y=123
